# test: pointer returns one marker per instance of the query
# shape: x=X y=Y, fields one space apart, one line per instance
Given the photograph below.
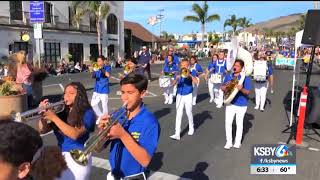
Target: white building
x=60 y=36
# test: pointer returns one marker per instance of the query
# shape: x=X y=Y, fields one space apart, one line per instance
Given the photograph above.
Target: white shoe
x=237 y=146
x=256 y=108
x=166 y=101
x=193 y=103
x=191 y=131
x=175 y=136
x=219 y=106
x=227 y=146
x=261 y=110
x=211 y=100
x=170 y=101
x=98 y=120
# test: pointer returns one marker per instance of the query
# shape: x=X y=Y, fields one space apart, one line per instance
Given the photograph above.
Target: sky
x=174 y=11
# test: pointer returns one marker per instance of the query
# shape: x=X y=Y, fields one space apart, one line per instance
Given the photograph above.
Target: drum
x=260 y=70
x=216 y=78
x=164 y=81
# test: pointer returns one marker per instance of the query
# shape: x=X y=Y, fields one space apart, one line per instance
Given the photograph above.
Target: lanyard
x=220 y=65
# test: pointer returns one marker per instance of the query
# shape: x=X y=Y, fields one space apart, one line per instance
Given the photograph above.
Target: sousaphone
x=236 y=52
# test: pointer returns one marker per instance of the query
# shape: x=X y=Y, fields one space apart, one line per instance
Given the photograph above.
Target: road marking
x=115 y=78
x=51 y=85
x=154 y=95
x=156 y=74
x=105 y=164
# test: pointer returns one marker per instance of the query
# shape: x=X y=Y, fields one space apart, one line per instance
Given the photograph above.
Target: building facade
x=61 y=37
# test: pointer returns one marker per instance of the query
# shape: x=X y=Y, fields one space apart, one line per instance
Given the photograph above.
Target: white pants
x=231 y=111
x=79 y=172
x=181 y=102
x=211 y=92
x=96 y=98
x=218 y=94
x=168 y=93
x=175 y=90
x=261 y=94
x=195 y=93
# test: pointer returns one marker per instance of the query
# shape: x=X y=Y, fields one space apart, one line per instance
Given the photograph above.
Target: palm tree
x=96 y=10
x=165 y=35
x=301 y=22
x=244 y=22
x=201 y=15
x=233 y=22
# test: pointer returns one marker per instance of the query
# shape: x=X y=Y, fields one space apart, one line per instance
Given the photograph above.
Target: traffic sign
x=36 y=11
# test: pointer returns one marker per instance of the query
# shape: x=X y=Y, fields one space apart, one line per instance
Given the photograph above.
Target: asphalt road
x=202 y=156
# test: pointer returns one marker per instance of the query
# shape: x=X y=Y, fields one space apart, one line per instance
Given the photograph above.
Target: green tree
x=94 y=9
x=233 y=22
x=216 y=39
x=201 y=15
x=244 y=22
x=210 y=37
x=301 y=22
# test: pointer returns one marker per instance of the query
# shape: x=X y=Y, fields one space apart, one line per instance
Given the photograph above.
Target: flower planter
x=14 y=103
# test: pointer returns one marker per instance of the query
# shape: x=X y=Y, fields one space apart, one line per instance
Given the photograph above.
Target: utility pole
x=160 y=16
x=315 y=4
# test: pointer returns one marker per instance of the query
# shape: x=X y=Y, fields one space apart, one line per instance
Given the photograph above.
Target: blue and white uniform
x=168 y=91
x=210 y=69
x=66 y=144
x=195 y=71
x=184 y=99
x=261 y=88
x=238 y=108
x=220 y=68
x=101 y=91
x=175 y=60
x=145 y=129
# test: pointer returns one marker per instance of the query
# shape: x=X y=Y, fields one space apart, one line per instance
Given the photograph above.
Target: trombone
x=35 y=114
x=97 y=140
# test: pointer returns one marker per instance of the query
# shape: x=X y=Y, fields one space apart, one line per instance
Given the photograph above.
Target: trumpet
x=94 y=67
x=185 y=72
x=35 y=114
x=127 y=69
x=97 y=141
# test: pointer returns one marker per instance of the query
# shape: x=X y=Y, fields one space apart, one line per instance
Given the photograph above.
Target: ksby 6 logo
x=283 y=151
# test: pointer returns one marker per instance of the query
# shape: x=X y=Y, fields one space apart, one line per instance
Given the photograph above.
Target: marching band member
x=134 y=143
x=169 y=69
x=101 y=88
x=72 y=126
x=261 y=85
x=220 y=70
x=184 y=98
x=175 y=57
x=23 y=156
x=196 y=71
x=132 y=67
x=209 y=72
x=238 y=106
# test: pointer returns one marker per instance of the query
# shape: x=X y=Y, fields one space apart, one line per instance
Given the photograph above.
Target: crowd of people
x=134 y=138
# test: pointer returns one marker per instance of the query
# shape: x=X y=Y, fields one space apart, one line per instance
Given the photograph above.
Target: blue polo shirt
x=102 y=82
x=65 y=143
x=171 y=68
x=144 y=58
x=196 y=70
x=240 y=99
x=292 y=54
x=145 y=129
x=220 y=66
x=211 y=66
x=184 y=86
x=175 y=60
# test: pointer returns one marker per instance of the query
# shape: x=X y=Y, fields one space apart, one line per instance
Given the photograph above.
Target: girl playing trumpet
x=170 y=69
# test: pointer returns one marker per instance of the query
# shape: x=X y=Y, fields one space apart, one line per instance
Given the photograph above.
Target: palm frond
x=198 y=10
x=105 y=8
x=191 y=18
x=213 y=17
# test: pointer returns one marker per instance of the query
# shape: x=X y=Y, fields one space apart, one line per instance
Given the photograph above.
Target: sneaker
x=211 y=100
x=191 y=131
x=227 y=146
x=170 y=101
x=262 y=110
x=219 y=106
x=193 y=103
x=166 y=101
x=237 y=146
x=256 y=108
x=175 y=137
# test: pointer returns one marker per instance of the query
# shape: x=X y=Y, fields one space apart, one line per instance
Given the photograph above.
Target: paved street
x=202 y=156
